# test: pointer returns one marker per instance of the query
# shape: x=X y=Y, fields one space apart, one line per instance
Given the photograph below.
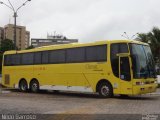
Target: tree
x=7 y=45
x=30 y=47
x=153 y=38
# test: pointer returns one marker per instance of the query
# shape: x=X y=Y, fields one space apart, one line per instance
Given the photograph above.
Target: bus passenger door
x=125 y=75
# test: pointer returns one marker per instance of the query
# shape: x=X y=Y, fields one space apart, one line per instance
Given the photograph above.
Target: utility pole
x=10 y=6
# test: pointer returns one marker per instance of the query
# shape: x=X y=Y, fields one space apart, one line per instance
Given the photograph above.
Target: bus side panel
x=95 y=72
x=7 y=76
x=44 y=74
x=25 y=72
x=96 y=77
x=16 y=73
x=70 y=76
x=74 y=73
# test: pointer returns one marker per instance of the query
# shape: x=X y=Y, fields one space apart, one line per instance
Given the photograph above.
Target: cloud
x=87 y=20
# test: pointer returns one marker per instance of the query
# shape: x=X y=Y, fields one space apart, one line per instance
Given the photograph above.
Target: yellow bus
x=110 y=67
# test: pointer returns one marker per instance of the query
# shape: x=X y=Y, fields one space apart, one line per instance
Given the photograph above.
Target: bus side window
x=37 y=58
x=45 y=57
x=27 y=58
x=56 y=56
x=7 y=60
x=96 y=53
x=125 y=69
x=115 y=49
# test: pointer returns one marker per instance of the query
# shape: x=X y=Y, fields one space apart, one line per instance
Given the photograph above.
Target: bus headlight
x=155 y=81
x=139 y=83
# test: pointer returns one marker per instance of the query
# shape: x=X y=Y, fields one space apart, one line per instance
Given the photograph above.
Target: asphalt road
x=13 y=102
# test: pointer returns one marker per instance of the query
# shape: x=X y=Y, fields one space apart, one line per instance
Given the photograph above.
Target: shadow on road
x=60 y=94
x=86 y=95
x=140 y=97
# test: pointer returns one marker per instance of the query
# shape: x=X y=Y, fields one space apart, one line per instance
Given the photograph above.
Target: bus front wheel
x=23 y=86
x=34 y=86
x=105 y=90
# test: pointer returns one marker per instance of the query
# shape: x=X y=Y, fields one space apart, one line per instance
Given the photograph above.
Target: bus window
x=37 y=58
x=57 y=56
x=125 y=69
x=96 y=53
x=45 y=57
x=75 y=55
x=16 y=59
x=7 y=60
x=115 y=49
x=27 y=59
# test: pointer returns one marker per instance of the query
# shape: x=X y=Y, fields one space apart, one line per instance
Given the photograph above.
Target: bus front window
x=151 y=64
x=142 y=61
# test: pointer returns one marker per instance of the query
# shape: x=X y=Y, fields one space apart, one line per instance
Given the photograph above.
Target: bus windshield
x=142 y=61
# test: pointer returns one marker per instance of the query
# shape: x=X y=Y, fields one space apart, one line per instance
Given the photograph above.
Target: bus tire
x=34 y=86
x=23 y=86
x=105 y=90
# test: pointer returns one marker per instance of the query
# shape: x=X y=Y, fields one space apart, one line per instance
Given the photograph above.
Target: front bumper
x=143 y=89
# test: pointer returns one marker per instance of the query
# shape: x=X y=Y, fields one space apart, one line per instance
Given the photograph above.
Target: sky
x=86 y=20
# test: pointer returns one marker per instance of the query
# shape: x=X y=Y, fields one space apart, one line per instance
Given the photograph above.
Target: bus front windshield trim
x=142 y=61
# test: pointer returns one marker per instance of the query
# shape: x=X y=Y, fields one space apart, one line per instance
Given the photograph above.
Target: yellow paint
x=74 y=74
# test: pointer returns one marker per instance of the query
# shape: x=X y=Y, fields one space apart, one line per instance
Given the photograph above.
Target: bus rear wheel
x=23 y=86
x=105 y=90
x=34 y=86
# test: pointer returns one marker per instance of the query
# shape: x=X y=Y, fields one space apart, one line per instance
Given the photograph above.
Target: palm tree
x=143 y=37
x=153 y=38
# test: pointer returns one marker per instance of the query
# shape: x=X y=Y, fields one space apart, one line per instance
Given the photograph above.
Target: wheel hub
x=34 y=87
x=105 y=90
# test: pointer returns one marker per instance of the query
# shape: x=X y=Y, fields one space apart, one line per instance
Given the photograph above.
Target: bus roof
x=72 y=45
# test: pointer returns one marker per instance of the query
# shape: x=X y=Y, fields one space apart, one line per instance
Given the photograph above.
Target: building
x=1 y=34
x=51 y=40
x=22 y=35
